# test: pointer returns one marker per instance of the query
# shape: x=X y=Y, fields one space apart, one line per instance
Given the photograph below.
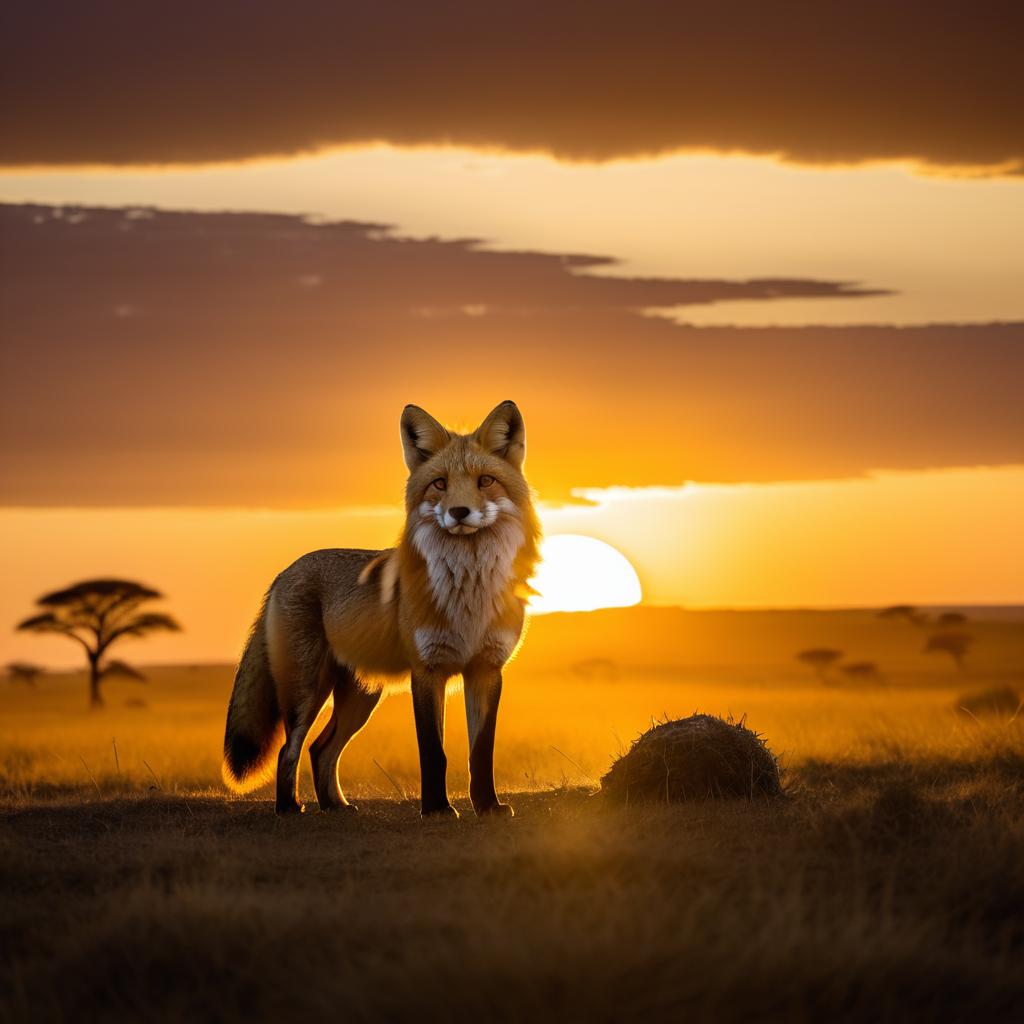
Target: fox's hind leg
x=297 y=723
x=352 y=709
x=303 y=677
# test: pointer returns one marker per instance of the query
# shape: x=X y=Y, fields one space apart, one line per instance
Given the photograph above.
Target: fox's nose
x=458 y=513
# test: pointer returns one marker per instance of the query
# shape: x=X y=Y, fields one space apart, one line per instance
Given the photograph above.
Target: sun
x=581 y=574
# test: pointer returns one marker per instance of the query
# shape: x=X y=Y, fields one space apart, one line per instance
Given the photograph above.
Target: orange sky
x=826 y=337
x=928 y=538
x=946 y=249
x=257 y=359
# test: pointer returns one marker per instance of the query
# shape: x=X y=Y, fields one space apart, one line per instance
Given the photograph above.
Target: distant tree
x=908 y=612
x=96 y=614
x=820 y=659
x=956 y=645
x=122 y=670
x=951 y=619
x=23 y=672
x=861 y=670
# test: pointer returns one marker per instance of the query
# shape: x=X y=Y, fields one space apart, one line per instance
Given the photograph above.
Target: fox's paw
x=496 y=810
x=339 y=809
x=439 y=813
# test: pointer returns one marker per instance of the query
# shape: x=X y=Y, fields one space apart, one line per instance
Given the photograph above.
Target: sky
x=755 y=283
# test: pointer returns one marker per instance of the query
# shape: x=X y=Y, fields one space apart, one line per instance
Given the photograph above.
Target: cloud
x=117 y=82
x=233 y=381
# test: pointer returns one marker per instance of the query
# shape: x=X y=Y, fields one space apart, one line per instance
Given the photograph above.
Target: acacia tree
x=861 y=670
x=905 y=611
x=821 y=659
x=956 y=645
x=23 y=672
x=96 y=614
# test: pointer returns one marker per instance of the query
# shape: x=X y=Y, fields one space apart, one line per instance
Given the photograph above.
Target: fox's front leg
x=428 y=707
x=482 y=685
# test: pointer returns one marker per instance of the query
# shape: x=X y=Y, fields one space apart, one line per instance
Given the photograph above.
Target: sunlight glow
x=636 y=210
x=580 y=574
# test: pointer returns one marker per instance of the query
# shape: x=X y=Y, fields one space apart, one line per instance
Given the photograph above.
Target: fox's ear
x=422 y=436
x=504 y=433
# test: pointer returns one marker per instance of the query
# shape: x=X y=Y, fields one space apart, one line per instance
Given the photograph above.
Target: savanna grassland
x=887 y=885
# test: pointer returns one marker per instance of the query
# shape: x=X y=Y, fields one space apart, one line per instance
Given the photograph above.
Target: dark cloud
x=176 y=358
x=122 y=82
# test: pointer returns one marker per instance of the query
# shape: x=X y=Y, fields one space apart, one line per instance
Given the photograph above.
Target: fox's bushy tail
x=253 y=728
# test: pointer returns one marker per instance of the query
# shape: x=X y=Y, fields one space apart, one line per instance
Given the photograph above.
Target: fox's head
x=466 y=483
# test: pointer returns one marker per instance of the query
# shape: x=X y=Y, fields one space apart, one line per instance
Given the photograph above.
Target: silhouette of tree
x=122 y=670
x=23 y=672
x=96 y=614
x=913 y=615
x=951 y=619
x=956 y=645
x=820 y=659
x=861 y=670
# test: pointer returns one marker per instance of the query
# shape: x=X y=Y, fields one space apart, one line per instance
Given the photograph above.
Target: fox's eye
x=485 y=481
x=440 y=483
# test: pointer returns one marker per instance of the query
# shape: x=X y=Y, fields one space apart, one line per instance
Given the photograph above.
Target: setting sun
x=581 y=574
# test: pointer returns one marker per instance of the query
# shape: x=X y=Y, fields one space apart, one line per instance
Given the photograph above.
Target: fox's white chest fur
x=470 y=583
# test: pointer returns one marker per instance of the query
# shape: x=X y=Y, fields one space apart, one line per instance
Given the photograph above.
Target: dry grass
x=554 y=729
x=887 y=886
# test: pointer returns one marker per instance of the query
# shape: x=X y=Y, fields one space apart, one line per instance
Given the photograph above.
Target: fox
x=448 y=600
